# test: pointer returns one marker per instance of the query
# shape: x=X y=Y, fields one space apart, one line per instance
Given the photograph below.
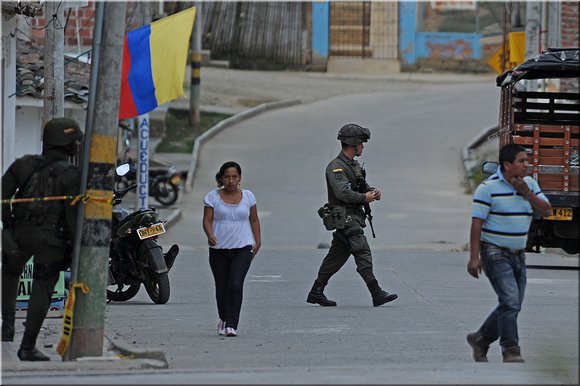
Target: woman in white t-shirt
x=232 y=226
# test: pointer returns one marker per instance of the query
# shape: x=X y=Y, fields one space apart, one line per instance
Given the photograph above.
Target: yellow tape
x=74 y=199
x=99 y=204
x=67 y=320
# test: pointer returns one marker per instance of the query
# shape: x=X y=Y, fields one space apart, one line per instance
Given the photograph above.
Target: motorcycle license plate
x=153 y=230
x=562 y=214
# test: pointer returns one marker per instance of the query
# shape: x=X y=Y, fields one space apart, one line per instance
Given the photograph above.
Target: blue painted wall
x=448 y=45
x=407 y=31
x=320 y=30
x=415 y=45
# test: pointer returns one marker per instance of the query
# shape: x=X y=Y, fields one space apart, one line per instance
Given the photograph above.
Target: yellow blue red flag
x=154 y=60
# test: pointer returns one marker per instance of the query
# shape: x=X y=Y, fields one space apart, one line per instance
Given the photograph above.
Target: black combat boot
x=379 y=296
x=316 y=296
x=8 y=316
x=28 y=350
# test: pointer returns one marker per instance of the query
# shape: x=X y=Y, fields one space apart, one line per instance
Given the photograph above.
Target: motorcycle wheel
x=157 y=287
x=165 y=192
x=122 y=294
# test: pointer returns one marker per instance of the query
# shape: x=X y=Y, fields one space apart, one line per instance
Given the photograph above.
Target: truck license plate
x=153 y=230
x=563 y=214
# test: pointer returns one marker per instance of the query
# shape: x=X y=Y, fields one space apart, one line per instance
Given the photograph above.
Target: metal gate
x=364 y=29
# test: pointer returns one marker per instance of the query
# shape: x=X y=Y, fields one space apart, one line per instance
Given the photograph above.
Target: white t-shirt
x=231 y=222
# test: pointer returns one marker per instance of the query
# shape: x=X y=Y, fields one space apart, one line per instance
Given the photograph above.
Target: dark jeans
x=229 y=268
x=506 y=271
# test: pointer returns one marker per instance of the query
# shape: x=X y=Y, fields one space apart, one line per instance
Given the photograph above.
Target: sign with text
x=452 y=5
x=56 y=309
x=143 y=163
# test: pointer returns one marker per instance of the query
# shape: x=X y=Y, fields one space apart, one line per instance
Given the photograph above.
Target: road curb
x=468 y=162
x=147 y=358
x=211 y=132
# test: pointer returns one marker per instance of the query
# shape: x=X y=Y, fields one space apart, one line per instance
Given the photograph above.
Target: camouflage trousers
x=347 y=242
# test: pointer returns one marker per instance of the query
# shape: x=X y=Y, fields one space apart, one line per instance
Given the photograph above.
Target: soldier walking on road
x=503 y=207
x=43 y=229
x=348 y=192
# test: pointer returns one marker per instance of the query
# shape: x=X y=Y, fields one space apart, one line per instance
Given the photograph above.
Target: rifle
x=367 y=207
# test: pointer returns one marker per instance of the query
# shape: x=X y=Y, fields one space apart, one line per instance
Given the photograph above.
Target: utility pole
x=89 y=310
x=533 y=24
x=53 y=60
x=194 y=90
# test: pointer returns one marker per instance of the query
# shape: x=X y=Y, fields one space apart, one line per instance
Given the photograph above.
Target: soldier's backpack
x=41 y=183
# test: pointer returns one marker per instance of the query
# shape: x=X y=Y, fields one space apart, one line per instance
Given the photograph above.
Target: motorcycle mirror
x=489 y=167
x=122 y=169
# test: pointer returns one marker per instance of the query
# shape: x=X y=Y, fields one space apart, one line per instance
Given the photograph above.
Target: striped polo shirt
x=506 y=214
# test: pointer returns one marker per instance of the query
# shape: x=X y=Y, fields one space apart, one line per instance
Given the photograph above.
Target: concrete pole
x=53 y=60
x=194 y=90
x=554 y=21
x=532 y=37
x=89 y=311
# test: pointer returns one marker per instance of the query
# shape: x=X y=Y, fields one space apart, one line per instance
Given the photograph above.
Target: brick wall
x=569 y=24
x=83 y=17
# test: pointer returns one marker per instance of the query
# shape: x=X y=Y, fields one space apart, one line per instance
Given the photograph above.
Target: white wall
x=29 y=115
x=8 y=90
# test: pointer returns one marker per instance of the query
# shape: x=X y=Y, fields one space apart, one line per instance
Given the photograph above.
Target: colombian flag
x=154 y=60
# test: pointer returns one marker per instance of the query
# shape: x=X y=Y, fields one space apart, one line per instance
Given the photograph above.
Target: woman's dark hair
x=508 y=153
x=225 y=166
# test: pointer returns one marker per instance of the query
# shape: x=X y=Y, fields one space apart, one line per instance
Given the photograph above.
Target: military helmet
x=61 y=132
x=353 y=134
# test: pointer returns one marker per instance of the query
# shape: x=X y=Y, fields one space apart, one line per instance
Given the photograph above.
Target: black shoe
x=383 y=297
x=316 y=296
x=379 y=296
x=479 y=350
x=33 y=355
x=513 y=355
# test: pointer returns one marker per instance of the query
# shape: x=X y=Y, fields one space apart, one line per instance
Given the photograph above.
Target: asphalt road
x=421 y=224
x=414 y=157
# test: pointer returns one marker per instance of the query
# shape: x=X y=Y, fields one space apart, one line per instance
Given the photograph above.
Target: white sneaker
x=221 y=329
x=231 y=332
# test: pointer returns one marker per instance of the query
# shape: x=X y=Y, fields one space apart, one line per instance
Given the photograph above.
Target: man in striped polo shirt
x=502 y=210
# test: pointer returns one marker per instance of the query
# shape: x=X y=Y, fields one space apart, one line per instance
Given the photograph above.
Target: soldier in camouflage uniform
x=347 y=193
x=42 y=229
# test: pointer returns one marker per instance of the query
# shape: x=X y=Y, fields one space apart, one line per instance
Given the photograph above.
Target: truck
x=539 y=110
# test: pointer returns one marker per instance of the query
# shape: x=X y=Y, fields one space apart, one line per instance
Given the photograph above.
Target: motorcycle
x=135 y=257
x=163 y=183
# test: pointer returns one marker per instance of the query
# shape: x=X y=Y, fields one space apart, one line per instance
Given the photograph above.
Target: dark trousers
x=347 y=242
x=47 y=262
x=229 y=268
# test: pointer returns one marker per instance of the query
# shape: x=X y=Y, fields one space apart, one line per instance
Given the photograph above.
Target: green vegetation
x=179 y=134
x=477 y=176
